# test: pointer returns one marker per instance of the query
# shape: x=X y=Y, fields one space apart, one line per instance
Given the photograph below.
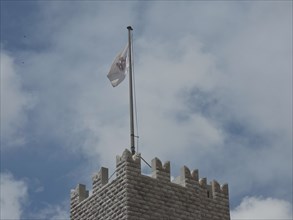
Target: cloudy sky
x=213 y=89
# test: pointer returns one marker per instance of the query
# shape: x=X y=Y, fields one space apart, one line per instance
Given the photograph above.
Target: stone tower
x=133 y=196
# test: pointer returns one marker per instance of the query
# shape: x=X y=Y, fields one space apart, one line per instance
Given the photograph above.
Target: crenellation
x=166 y=167
x=160 y=171
x=216 y=188
x=126 y=155
x=194 y=175
x=203 y=182
x=128 y=164
x=132 y=195
x=185 y=173
x=80 y=192
x=77 y=195
x=185 y=177
x=224 y=189
x=156 y=164
x=100 y=179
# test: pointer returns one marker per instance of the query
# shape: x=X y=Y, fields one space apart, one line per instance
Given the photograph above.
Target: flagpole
x=132 y=142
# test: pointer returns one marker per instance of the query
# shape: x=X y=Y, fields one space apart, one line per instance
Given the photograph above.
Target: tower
x=133 y=196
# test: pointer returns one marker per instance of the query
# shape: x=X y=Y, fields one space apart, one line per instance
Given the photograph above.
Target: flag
x=119 y=68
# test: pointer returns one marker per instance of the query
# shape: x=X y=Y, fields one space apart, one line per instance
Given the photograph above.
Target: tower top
x=133 y=195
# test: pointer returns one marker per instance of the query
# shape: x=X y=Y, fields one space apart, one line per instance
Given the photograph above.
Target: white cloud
x=13 y=196
x=254 y=208
x=240 y=55
x=165 y=72
x=14 y=103
x=52 y=212
x=258 y=58
x=84 y=111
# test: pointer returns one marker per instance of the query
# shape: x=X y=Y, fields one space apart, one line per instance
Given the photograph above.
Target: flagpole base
x=132 y=150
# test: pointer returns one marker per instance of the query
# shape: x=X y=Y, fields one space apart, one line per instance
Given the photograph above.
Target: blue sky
x=214 y=93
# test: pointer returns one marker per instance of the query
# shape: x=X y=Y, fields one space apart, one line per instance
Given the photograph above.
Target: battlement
x=136 y=193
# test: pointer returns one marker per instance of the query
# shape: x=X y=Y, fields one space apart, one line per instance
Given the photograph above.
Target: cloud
x=166 y=73
x=255 y=208
x=258 y=69
x=14 y=104
x=14 y=194
x=214 y=93
x=177 y=72
x=15 y=198
x=52 y=212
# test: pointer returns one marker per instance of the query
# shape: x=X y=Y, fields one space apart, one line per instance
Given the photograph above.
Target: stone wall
x=134 y=196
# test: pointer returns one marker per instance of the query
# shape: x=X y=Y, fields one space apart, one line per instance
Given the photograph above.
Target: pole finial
x=129 y=28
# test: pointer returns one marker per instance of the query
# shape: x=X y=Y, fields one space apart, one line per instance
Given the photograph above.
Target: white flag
x=119 y=68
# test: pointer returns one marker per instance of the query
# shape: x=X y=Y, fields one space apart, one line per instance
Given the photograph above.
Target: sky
x=213 y=82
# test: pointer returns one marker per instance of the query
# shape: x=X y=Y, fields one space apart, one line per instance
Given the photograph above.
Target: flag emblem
x=121 y=64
